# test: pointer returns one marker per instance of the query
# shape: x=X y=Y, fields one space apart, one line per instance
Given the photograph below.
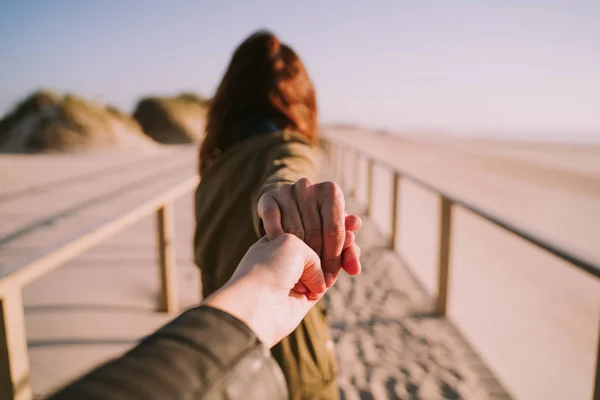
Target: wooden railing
x=14 y=364
x=335 y=155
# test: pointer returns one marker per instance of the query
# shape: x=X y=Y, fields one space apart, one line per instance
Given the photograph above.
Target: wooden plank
x=445 y=226
x=14 y=362
x=370 y=167
x=166 y=259
x=39 y=264
x=332 y=163
x=342 y=174
x=395 y=211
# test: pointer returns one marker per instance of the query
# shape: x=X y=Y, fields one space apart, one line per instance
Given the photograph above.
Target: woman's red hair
x=265 y=81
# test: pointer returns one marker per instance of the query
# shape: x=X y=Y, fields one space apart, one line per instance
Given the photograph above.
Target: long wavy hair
x=265 y=81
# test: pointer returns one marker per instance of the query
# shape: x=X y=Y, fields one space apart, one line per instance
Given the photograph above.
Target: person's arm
x=200 y=354
x=286 y=164
x=219 y=349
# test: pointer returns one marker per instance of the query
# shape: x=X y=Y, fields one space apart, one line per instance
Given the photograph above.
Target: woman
x=260 y=132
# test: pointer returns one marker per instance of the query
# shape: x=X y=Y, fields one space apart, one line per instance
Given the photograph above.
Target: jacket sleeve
x=286 y=164
x=202 y=354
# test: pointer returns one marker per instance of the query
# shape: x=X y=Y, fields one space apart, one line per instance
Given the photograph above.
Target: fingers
x=352 y=222
x=351 y=260
x=351 y=255
x=349 y=241
x=291 y=220
x=291 y=264
x=300 y=288
x=312 y=275
x=306 y=196
x=268 y=211
x=315 y=214
x=332 y=206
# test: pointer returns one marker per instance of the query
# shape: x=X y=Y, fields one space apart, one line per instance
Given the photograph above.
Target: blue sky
x=483 y=66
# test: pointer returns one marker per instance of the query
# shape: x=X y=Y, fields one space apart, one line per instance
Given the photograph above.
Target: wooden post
x=370 y=165
x=596 y=395
x=166 y=254
x=444 y=255
x=333 y=160
x=342 y=175
x=356 y=174
x=14 y=362
x=395 y=208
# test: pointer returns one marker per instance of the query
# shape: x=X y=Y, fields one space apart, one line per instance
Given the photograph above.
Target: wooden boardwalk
x=100 y=304
x=104 y=301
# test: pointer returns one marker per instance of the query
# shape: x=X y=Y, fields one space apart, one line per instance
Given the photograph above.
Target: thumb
x=270 y=214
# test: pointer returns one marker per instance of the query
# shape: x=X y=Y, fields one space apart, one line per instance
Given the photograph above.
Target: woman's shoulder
x=289 y=143
x=288 y=135
x=279 y=144
x=277 y=138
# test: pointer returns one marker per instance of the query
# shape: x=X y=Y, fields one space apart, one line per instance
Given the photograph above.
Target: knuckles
x=303 y=182
x=331 y=189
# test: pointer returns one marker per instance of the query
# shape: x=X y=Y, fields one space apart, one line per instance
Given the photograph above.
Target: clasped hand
x=281 y=278
x=316 y=214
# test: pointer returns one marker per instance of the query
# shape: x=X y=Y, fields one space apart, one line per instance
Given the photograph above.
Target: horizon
x=516 y=70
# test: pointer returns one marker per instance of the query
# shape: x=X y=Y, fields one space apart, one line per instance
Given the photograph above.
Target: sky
x=486 y=67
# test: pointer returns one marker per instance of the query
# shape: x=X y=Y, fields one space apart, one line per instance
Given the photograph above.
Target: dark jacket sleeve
x=202 y=354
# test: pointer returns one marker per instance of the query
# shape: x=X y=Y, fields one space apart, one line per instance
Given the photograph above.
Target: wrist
x=245 y=303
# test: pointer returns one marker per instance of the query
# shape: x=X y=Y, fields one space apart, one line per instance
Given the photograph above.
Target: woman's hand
x=316 y=214
x=261 y=291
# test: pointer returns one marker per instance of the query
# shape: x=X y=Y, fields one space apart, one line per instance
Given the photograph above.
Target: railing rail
x=582 y=262
x=335 y=154
x=14 y=365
